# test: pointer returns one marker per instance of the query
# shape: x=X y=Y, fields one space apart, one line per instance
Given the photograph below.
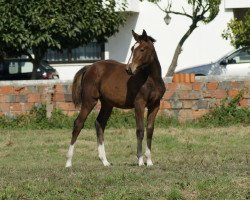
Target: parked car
x=21 y=69
x=236 y=63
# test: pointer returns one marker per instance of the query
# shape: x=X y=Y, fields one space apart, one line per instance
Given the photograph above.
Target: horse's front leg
x=139 y=116
x=100 y=125
x=152 y=112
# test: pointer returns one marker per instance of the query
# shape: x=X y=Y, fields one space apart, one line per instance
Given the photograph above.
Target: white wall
x=204 y=45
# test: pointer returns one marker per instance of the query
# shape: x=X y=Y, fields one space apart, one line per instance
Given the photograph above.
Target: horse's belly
x=117 y=99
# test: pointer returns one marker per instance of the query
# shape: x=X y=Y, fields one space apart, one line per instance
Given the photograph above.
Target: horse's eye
x=142 y=49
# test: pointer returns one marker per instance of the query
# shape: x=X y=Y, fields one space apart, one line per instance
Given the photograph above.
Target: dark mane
x=141 y=37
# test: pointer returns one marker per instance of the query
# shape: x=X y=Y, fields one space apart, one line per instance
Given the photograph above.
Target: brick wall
x=184 y=100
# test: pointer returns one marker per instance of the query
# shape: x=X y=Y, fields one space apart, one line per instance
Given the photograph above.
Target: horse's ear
x=135 y=35
x=144 y=35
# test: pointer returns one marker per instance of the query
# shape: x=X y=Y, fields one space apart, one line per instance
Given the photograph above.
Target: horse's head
x=142 y=53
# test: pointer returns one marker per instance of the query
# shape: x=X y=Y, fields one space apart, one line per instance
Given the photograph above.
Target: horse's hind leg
x=78 y=125
x=100 y=125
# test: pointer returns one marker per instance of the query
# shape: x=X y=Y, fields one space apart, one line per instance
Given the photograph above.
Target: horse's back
x=108 y=66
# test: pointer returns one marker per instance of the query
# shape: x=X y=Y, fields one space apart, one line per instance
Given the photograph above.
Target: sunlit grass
x=189 y=163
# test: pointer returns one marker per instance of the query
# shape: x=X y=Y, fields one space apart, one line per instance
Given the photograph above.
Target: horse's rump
x=77 y=86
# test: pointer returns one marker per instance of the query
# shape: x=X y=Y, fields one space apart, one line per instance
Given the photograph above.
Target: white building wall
x=237 y=4
x=204 y=45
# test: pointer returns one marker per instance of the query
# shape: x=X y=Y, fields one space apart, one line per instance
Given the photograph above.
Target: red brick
x=58 y=97
x=5 y=107
x=247 y=84
x=245 y=103
x=246 y=95
x=199 y=113
x=176 y=78
x=183 y=94
x=197 y=86
x=165 y=105
x=207 y=94
x=171 y=86
x=185 y=115
x=195 y=95
x=58 y=88
x=212 y=86
x=187 y=104
x=27 y=106
x=219 y=94
x=3 y=98
x=6 y=89
x=168 y=94
x=34 y=98
x=16 y=107
x=234 y=84
x=233 y=93
x=185 y=86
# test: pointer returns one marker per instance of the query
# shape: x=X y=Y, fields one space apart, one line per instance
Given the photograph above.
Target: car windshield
x=47 y=67
x=225 y=56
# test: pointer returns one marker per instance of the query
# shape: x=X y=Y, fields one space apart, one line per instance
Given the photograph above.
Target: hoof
x=106 y=163
x=68 y=164
x=140 y=161
x=149 y=163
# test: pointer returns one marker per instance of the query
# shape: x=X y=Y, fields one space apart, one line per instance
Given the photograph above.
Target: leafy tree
x=201 y=11
x=238 y=31
x=33 y=26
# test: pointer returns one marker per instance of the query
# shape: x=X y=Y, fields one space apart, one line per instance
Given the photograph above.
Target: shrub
x=228 y=113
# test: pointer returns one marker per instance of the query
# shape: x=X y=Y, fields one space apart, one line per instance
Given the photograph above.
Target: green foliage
x=238 y=31
x=201 y=10
x=228 y=113
x=39 y=25
x=36 y=119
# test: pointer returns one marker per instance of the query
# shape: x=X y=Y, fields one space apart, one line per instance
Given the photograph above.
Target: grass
x=189 y=163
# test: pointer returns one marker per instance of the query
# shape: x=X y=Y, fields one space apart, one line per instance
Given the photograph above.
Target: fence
x=184 y=100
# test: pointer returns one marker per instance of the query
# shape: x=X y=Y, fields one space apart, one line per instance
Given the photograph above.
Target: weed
x=227 y=114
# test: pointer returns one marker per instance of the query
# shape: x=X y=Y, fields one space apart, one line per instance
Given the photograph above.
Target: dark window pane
x=89 y=52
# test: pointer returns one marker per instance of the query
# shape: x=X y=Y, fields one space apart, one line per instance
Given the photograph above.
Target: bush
x=228 y=113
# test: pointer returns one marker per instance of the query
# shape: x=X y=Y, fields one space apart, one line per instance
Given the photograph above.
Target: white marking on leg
x=140 y=161
x=102 y=154
x=70 y=155
x=148 y=157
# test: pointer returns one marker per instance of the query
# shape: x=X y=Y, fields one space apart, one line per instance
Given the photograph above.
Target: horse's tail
x=77 y=86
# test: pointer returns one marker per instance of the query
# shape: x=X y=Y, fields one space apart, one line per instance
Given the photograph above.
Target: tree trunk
x=38 y=56
x=178 y=49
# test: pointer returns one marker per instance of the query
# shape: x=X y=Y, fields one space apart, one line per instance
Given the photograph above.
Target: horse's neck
x=155 y=69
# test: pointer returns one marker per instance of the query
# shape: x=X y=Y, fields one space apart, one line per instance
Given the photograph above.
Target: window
x=241 y=56
x=13 y=67
x=87 y=53
x=26 y=67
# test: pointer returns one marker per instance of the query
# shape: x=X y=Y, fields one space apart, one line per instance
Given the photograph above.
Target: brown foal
x=137 y=85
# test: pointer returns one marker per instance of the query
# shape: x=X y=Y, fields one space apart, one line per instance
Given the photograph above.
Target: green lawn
x=189 y=163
